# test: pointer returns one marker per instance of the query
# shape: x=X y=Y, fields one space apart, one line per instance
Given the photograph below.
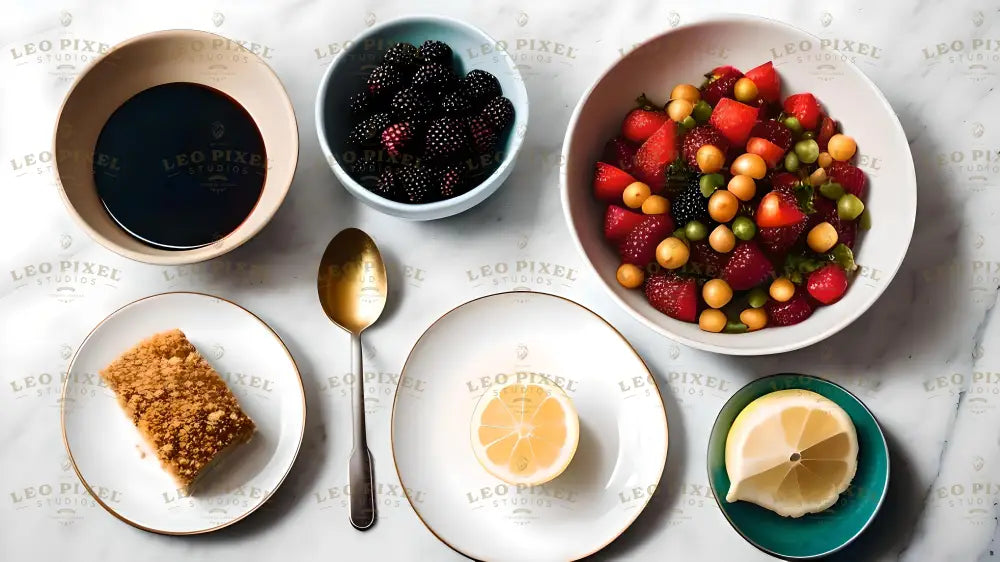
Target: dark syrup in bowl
x=180 y=165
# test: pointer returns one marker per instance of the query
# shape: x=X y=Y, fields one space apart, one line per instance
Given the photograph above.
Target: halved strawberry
x=849 y=176
x=640 y=124
x=827 y=128
x=747 y=267
x=699 y=137
x=770 y=152
x=784 y=181
x=777 y=240
x=827 y=284
x=619 y=221
x=722 y=86
x=620 y=153
x=734 y=120
x=655 y=155
x=778 y=208
x=610 y=182
x=767 y=81
x=773 y=131
x=803 y=107
x=705 y=260
x=639 y=246
x=793 y=311
x=673 y=295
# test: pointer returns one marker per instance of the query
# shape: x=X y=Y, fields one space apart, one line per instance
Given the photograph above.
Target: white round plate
x=110 y=456
x=505 y=338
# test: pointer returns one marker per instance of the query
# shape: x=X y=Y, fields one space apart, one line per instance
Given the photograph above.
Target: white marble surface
x=926 y=358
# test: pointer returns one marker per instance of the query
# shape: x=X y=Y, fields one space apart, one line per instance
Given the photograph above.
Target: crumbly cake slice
x=179 y=403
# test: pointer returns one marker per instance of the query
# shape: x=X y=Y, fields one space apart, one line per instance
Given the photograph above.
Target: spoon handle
x=361 y=474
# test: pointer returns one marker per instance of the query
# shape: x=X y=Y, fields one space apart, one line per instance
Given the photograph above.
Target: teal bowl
x=814 y=535
x=347 y=74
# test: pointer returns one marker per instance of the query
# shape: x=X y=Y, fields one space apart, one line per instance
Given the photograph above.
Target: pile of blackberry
x=420 y=130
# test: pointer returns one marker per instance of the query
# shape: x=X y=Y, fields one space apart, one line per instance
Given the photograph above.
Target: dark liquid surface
x=180 y=165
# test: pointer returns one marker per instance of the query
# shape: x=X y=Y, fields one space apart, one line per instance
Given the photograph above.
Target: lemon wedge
x=791 y=451
x=525 y=433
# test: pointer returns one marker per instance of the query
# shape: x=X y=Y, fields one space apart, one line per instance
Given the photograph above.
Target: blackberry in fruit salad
x=420 y=132
x=731 y=207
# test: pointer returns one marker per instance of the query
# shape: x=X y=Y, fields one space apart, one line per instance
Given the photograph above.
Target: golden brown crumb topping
x=180 y=404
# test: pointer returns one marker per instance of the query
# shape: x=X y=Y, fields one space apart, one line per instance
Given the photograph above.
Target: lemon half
x=792 y=451
x=525 y=433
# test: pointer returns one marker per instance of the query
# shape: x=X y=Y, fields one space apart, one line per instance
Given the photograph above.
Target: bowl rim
x=226 y=243
x=885 y=449
x=435 y=209
x=838 y=325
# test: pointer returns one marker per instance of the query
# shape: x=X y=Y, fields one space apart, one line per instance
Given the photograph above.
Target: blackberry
x=360 y=105
x=384 y=81
x=454 y=104
x=480 y=87
x=447 y=139
x=402 y=55
x=369 y=130
x=690 y=205
x=388 y=185
x=451 y=180
x=416 y=182
x=499 y=112
x=365 y=170
x=397 y=137
x=411 y=104
x=435 y=78
x=435 y=51
x=483 y=137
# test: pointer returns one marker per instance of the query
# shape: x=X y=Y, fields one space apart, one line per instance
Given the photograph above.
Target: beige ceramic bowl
x=159 y=58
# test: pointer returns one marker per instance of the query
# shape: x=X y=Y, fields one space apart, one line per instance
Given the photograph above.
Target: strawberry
x=767 y=81
x=827 y=128
x=747 y=267
x=826 y=210
x=705 y=260
x=793 y=311
x=849 y=176
x=619 y=221
x=803 y=107
x=655 y=155
x=724 y=69
x=778 y=208
x=722 y=86
x=777 y=240
x=610 y=182
x=773 y=131
x=620 y=153
x=673 y=295
x=827 y=284
x=639 y=246
x=699 y=137
x=734 y=120
x=640 y=124
x=784 y=181
x=770 y=152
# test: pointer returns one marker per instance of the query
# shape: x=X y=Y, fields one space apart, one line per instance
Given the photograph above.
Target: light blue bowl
x=347 y=74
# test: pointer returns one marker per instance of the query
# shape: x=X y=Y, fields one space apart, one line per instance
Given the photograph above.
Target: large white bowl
x=683 y=55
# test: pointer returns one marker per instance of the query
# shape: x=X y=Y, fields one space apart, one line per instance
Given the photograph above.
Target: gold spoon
x=352 y=290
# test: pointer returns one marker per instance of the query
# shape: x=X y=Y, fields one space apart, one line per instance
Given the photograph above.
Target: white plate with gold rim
x=108 y=453
x=511 y=337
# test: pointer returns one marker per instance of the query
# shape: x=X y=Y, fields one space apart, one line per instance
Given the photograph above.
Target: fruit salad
x=730 y=206
x=421 y=131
